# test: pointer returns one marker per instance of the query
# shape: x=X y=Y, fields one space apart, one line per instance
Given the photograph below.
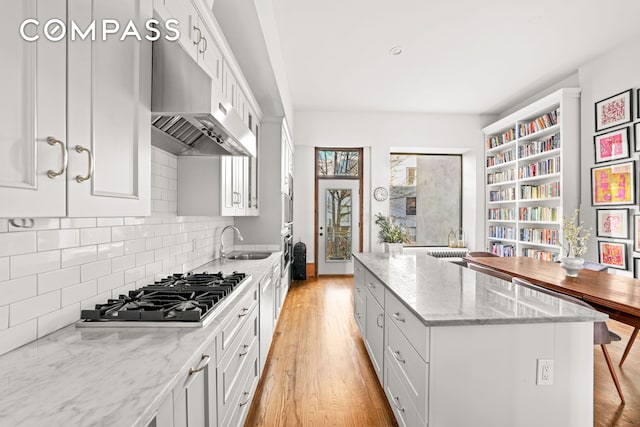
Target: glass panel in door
x=339 y=224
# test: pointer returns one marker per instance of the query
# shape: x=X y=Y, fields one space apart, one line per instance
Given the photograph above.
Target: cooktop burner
x=177 y=298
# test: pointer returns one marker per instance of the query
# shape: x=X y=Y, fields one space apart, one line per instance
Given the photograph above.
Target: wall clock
x=380 y=194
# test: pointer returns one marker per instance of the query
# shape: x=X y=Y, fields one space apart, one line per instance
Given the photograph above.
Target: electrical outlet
x=544 y=372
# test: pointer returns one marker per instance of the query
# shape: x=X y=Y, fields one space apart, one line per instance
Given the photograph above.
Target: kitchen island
x=124 y=376
x=455 y=347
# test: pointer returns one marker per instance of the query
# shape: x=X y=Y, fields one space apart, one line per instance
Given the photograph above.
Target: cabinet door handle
x=245 y=393
x=80 y=178
x=371 y=285
x=204 y=49
x=398 y=317
x=243 y=312
x=381 y=315
x=199 y=35
x=65 y=159
x=204 y=361
x=396 y=403
x=357 y=315
x=399 y=358
x=246 y=350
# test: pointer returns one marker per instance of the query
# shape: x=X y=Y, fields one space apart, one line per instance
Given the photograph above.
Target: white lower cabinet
x=398 y=345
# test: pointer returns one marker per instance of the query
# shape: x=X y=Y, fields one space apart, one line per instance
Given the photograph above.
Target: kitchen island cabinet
x=142 y=376
x=455 y=338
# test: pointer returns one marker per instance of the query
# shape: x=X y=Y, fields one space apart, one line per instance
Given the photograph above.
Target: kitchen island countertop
x=106 y=376
x=441 y=293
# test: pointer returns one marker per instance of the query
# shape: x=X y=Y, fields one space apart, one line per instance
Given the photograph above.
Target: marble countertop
x=442 y=293
x=106 y=376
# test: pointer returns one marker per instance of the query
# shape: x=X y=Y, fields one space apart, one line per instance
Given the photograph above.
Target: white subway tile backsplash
x=110 y=250
x=127 y=232
x=48 y=282
x=94 y=270
x=21 y=311
x=18 y=335
x=4 y=317
x=92 y=236
x=107 y=283
x=51 y=322
x=134 y=246
x=58 y=239
x=17 y=243
x=17 y=290
x=77 y=222
x=134 y=274
x=4 y=269
x=123 y=263
x=40 y=262
x=50 y=272
x=144 y=258
x=109 y=222
x=79 y=292
x=78 y=256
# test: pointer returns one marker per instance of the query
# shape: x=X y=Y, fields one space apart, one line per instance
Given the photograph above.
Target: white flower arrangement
x=576 y=235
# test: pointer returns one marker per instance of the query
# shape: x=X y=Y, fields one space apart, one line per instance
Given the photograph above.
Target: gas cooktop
x=185 y=300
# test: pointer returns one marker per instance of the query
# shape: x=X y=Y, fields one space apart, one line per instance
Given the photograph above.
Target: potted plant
x=576 y=237
x=393 y=236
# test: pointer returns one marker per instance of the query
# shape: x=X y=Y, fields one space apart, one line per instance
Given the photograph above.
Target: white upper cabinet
x=109 y=97
x=33 y=87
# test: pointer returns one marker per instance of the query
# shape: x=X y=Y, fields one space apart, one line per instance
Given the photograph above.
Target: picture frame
x=638 y=101
x=636 y=129
x=614 y=110
x=612 y=254
x=613 y=184
x=613 y=223
x=636 y=233
x=636 y=267
x=613 y=145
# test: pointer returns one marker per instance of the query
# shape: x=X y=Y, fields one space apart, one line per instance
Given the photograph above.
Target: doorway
x=338 y=213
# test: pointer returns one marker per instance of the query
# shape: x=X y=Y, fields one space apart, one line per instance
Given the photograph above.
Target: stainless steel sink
x=248 y=255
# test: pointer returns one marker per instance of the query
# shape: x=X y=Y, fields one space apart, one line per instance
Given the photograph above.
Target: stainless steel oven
x=287 y=246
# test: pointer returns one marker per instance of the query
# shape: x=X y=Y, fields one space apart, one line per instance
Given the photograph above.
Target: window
x=425 y=196
x=338 y=164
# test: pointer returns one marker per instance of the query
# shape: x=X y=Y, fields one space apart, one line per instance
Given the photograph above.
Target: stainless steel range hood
x=189 y=115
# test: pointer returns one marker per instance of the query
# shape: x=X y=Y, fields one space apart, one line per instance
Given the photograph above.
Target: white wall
x=606 y=75
x=383 y=133
x=62 y=265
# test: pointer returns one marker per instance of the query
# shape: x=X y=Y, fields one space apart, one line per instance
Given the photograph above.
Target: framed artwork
x=612 y=223
x=613 y=184
x=613 y=111
x=636 y=232
x=638 y=101
x=636 y=129
x=612 y=254
x=636 y=267
x=612 y=145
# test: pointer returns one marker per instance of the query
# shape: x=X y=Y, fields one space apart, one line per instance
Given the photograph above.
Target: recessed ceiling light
x=395 y=51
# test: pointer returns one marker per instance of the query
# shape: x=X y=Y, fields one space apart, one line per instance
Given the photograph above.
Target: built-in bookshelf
x=532 y=176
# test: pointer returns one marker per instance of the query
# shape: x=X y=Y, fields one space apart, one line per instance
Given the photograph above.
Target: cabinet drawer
x=398 y=397
x=236 y=319
x=358 y=272
x=412 y=370
x=237 y=413
x=234 y=364
x=374 y=286
x=412 y=328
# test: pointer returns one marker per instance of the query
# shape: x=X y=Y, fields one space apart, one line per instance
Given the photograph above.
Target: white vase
x=572 y=265
x=393 y=248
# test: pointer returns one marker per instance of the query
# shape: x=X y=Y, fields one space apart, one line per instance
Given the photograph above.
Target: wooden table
x=617 y=296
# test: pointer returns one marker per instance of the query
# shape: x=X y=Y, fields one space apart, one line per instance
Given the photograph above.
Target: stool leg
x=613 y=373
x=629 y=345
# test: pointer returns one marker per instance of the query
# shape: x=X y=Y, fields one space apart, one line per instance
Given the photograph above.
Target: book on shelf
x=540 y=168
x=542 y=255
x=501 y=176
x=498 y=140
x=531 y=148
x=547 y=236
x=538 y=213
x=539 y=123
x=542 y=191
x=501 y=249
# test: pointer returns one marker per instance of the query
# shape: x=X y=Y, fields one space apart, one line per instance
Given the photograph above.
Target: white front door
x=338 y=224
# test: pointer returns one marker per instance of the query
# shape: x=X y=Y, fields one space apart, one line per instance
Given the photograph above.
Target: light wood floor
x=318 y=372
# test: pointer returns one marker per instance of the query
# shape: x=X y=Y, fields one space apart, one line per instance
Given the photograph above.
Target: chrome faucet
x=223 y=256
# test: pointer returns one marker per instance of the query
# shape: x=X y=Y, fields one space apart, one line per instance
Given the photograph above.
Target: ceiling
x=459 y=56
